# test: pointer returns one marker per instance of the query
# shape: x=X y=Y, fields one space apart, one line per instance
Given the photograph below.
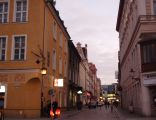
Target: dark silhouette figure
x=79 y=105
x=111 y=106
x=55 y=106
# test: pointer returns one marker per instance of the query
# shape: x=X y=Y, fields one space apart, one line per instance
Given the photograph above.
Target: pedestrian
x=108 y=104
x=111 y=107
x=54 y=106
x=105 y=103
x=79 y=105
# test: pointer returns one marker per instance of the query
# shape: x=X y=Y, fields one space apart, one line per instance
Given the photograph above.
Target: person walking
x=111 y=106
x=55 y=106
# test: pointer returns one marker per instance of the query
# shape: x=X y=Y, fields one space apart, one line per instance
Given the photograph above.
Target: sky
x=93 y=22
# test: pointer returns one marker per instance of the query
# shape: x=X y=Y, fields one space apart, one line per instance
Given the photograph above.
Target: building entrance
x=153 y=100
x=2 y=100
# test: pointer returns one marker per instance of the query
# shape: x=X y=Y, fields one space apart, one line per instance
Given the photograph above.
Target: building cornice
x=30 y=70
x=120 y=11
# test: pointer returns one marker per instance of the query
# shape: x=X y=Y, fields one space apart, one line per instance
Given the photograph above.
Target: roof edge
x=121 y=5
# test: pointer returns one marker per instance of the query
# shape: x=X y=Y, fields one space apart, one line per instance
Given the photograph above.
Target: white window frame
x=61 y=36
x=60 y=65
x=54 y=59
x=8 y=1
x=66 y=46
x=5 y=46
x=65 y=68
x=27 y=12
x=13 y=46
x=54 y=30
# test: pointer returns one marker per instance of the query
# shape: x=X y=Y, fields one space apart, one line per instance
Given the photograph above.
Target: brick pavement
x=119 y=113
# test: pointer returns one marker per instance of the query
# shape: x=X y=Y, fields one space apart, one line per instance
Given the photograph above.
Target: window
x=60 y=39
x=21 y=10
x=19 y=48
x=54 y=30
x=4 y=11
x=54 y=60
x=66 y=46
x=48 y=59
x=3 y=48
x=65 y=69
x=148 y=53
x=154 y=7
x=60 y=65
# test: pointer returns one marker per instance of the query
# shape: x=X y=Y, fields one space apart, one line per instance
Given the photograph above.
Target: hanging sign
x=58 y=82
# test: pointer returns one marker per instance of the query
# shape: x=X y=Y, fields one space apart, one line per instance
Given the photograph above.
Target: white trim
x=5 y=46
x=14 y=12
x=147 y=73
x=13 y=47
x=61 y=39
x=8 y=12
x=54 y=60
x=60 y=65
x=20 y=70
x=54 y=30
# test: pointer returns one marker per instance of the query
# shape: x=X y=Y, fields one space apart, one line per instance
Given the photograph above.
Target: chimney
x=85 y=45
x=78 y=44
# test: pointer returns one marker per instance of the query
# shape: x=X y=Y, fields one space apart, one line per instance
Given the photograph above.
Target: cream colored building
x=136 y=24
x=84 y=72
x=32 y=36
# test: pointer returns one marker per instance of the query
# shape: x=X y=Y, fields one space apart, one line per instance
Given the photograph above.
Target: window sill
x=22 y=22
x=6 y=23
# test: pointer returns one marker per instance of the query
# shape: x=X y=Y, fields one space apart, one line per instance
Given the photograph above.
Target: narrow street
x=93 y=114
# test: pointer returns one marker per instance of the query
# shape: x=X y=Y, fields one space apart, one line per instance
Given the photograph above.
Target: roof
x=52 y=3
x=121 y=5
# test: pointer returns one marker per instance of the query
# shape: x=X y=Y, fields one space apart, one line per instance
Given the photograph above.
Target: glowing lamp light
x=79 y=92
x=51 y=113
x=58 y=111
x=43 y=71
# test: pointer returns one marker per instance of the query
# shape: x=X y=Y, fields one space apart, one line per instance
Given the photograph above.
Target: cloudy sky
x=93 y=22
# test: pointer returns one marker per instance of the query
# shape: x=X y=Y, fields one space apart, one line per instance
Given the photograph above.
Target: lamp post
x=43 y=72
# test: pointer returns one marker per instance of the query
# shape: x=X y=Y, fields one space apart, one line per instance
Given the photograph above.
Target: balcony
x=149 y=79
x=147 y=18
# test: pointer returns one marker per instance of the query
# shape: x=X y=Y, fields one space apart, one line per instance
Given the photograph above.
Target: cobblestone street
x=96 y=114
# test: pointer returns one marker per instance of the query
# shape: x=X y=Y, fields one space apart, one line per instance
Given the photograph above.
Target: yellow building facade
x=32 y=36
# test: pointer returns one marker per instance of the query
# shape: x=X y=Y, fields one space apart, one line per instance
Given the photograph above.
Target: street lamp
x=79 y=92
x=43 y=72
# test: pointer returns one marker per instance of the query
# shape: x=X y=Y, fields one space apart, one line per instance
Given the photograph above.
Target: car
x=92 y=104
x=100 y=103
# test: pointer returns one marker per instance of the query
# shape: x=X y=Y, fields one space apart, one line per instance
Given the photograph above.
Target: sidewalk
x=126 y=115
x=64 y=114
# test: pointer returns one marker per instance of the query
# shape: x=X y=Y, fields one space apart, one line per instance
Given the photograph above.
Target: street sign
x=51 y=92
